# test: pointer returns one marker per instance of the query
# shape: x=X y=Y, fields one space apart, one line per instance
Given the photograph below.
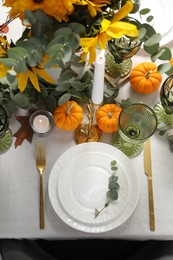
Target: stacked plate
x=78 y=184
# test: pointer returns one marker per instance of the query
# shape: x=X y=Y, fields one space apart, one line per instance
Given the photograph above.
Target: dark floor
x=96 y=249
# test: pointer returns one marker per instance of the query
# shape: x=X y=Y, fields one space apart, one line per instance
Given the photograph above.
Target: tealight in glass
x=41 y=122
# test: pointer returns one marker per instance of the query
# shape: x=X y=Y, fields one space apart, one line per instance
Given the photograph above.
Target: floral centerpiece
x=64 y=34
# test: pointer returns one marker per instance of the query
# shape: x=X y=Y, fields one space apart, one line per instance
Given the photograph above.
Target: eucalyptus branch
x=113 y=187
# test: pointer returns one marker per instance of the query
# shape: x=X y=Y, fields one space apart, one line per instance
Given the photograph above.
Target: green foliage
x=113 y=187
x=151 y=42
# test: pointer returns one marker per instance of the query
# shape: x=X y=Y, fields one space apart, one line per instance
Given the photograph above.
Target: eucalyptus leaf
x=113 y=194
x=66 y=75
x=113 y=186
x=31 y=61
x=67 y=53
x=29 y=16
x=11 y=77
x=113 y=162
x=154 y=39
x=36 y=28
x=114 y=168
x=20 y=66
x=21 y=100
x=17 y=53
x=44 y=91
x=63 y=31
x=149 y=18
x=144 y=11
x=50 y=103
x=79 y=86
x=60 y=39
x=64 y=98
x=113 y=178
x=51 y=62
x=9 y=62
x=29 y=45
x=64 y=86
x=163 y=68
x=163 y=54
x=149 y=31
x=151 y=49
x=77 y=28
x=53 y=50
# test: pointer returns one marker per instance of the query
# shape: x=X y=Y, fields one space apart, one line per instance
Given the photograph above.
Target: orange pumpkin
x=145 y=78
x=68 y=116
x=171 y=61
x=107 y=117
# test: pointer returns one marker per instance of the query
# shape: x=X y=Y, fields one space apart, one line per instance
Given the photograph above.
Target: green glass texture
x=137 y=122
x=6 y=136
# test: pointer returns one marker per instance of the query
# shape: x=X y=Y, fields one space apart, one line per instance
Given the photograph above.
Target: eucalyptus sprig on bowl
x=113 y=188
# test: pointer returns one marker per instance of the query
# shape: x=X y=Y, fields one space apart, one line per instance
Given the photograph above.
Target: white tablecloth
x=19 y=186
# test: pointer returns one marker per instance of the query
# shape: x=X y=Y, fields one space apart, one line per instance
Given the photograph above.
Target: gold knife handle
x=151 y=204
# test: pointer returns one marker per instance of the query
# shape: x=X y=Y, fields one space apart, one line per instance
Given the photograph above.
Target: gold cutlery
x=148 y=172
x=41 y=164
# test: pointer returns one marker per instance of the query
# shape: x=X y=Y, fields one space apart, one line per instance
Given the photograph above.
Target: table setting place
x=86 y=120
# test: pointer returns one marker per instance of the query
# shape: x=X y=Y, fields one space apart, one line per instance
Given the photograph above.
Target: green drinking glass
x=120 y=52
x=6 y=136
x=137 y=122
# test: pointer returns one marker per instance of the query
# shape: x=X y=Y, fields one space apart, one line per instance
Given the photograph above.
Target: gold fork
x=41 y=164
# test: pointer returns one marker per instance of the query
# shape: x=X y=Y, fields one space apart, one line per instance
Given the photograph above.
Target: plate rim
x=167 y=38
x=87 y=227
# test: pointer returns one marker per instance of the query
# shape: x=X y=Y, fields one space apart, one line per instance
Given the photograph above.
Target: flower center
x=38 y=1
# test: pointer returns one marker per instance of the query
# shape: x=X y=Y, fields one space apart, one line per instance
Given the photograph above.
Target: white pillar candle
x=41 y=124
x=98 y=84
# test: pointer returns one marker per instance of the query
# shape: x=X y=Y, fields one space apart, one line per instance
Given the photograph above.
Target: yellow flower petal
x=104 y=24
x=103 y=38
x=34 y=80
x=44 y=75
x=3 y=70
x=123 y=12
x=92 y=55
x=118 y=29
x=22 y=79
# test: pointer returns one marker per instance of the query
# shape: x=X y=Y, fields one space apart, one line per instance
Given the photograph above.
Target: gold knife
x=148 y=172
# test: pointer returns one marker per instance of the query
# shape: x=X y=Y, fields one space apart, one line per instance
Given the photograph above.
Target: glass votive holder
x=41 y=122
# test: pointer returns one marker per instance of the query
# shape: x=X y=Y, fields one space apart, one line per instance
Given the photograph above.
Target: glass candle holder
x=6 y=136
x=120 y=52
x=88 y=131
x=41 y=122
x=166 y=95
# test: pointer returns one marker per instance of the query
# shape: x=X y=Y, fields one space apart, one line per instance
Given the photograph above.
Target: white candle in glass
x=41 y=124
x=98 y=83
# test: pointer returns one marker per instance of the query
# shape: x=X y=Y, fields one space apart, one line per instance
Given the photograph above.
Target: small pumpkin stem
x=147 y=75
x=68 y=110
x=110 y=114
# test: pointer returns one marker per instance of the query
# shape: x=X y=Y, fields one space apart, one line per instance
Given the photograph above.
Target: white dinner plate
x=78 y=184
x=162 y=10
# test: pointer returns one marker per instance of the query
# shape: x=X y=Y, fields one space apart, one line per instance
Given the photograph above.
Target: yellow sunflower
x=3 y=70
x=31 y=74
x=94 y=5
x=60 y=10
x=4 y=45
x=109 y=29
